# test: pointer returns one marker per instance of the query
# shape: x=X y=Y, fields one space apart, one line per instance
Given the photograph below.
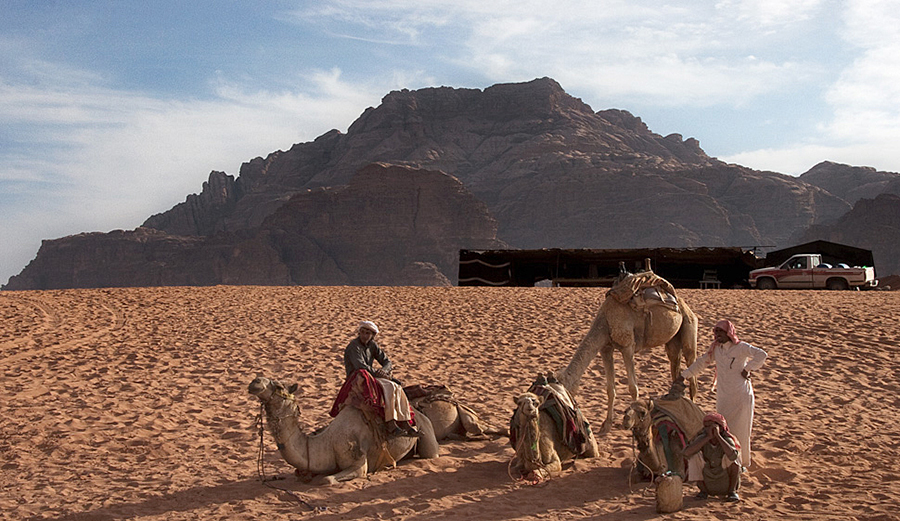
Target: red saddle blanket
x=362 y=390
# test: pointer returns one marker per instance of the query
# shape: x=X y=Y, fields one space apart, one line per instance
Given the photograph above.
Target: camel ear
x=292 y=389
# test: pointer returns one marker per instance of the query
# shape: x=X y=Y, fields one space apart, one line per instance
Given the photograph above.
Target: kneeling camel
x=347 y=448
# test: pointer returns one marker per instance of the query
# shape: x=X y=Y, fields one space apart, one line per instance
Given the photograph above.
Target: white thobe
x=734 y=393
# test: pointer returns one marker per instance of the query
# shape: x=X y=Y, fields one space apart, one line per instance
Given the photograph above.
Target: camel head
x=277 y=398
x=528 y=405
x=637 y=417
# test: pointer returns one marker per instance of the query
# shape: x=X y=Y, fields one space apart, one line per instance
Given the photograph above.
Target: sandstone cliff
x=553 y=172
x=389 y=225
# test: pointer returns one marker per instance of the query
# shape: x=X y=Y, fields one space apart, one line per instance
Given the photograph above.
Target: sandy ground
x=133 y=403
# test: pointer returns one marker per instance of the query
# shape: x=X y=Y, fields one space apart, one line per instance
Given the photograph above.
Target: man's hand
x=381 y=373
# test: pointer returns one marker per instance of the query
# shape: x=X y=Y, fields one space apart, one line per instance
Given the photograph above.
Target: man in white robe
x=734 y=361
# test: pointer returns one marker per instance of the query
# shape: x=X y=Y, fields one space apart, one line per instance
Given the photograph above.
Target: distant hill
x=430 y=171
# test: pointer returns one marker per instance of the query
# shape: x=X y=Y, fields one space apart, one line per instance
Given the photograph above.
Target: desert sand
x=133 y=403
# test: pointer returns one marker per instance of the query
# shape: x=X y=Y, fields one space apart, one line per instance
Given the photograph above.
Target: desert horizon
x=132 y=403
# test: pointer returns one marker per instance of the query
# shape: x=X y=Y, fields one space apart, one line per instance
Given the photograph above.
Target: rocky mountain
x=525 y=165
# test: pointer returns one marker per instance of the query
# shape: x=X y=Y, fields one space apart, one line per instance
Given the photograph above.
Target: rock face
x=520 y=164
x=148 y=257
x=873 y=224
x=553 y=172
x=390 y=225
x=852 y=183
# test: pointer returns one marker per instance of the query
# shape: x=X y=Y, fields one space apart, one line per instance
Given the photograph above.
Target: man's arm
x=382 y=358
x=695 y=446
x=727 y=446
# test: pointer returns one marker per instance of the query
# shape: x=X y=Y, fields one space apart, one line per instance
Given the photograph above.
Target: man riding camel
x=381 y=389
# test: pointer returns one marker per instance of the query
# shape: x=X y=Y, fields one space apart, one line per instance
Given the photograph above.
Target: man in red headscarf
x=720 y=450
x=734 y=361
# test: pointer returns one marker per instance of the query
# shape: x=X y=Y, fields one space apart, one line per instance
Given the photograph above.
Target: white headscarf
x=369 y=325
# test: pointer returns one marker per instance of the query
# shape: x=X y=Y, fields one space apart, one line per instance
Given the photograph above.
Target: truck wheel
x=836 y=284
x=766 y=283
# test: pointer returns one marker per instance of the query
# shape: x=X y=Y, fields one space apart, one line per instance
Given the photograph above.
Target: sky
x=114 y=110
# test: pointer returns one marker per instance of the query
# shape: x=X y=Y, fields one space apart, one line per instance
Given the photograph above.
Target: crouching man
x=721 y=475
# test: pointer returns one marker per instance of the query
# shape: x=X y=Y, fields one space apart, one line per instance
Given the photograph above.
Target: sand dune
x=133 y=403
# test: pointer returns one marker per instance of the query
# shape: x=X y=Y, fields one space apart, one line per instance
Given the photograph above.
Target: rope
x=635 y=461
x=261 y=471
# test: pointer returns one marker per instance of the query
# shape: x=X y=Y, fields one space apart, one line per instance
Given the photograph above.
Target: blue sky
x=111 y=111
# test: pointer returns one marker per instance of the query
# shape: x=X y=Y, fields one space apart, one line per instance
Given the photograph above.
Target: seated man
x=721 y=459
x=367 y=387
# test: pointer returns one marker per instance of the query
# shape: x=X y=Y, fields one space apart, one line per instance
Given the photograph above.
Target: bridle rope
x=260 y=457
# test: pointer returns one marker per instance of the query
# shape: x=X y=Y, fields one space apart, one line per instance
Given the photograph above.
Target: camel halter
x=534 y=455
x=635 y=461
x=260 y=456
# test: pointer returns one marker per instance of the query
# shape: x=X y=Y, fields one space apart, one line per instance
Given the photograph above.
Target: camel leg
x=358 y=469
x=628 y=358
x=550 y=461
x=427 y=445
x=607 y=356
x=673 y=353
x=592 y=450
x=687 y=335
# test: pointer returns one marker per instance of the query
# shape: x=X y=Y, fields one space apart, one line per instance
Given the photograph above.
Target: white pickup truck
x=807 y=271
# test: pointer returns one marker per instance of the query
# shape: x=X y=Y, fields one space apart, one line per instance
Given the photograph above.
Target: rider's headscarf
x=365 y=324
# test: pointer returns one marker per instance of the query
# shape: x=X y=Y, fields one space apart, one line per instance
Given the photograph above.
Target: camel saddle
x=419 y=394
x=428 y=393
x=644 y=290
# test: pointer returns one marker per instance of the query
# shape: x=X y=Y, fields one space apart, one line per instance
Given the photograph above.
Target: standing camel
x=634 y=317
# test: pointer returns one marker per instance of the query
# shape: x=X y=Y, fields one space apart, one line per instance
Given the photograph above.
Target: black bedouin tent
x=683 y=267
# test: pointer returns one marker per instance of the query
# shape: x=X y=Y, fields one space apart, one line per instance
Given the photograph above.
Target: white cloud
x=94 y=158
x=764 y=14
x=862 y=126
x=677 y=53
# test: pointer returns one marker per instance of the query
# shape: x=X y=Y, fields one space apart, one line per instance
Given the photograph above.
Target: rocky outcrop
x=852 y=183
x=199 y=214
x=873 y=224
x=390 y=225
x=378 y=226
x=148 y=257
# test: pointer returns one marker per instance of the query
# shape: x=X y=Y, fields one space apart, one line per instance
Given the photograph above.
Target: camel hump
x=469 y=420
